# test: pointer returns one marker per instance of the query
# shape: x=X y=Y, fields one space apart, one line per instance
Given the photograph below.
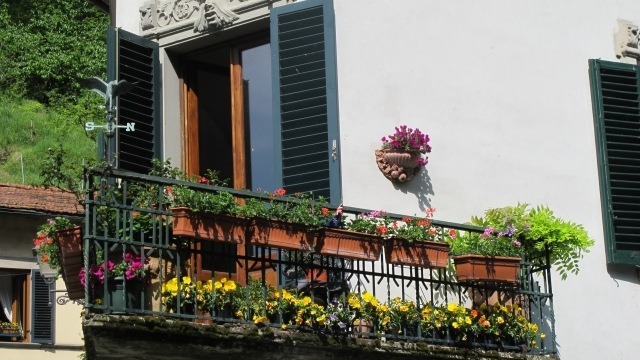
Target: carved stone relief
x=627 y=40
x=162 y=16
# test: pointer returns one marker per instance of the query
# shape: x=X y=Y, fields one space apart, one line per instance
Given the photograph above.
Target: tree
x=45 y=46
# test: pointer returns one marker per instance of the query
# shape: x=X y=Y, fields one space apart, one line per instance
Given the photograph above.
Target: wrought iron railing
x=128 y=217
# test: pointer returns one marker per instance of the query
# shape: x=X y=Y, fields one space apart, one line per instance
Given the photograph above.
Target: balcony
x=209 y=298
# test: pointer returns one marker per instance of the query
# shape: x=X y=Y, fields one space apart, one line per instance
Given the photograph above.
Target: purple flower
x=488 y=232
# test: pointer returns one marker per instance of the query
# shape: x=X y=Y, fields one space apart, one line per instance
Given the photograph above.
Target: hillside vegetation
x=45 y=47
x=32 y=137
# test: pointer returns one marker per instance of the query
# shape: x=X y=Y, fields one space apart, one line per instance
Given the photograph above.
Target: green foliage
x=537 y=229
x=47 y=45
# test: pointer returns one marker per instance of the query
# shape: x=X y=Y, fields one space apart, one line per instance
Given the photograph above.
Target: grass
x=28 y=132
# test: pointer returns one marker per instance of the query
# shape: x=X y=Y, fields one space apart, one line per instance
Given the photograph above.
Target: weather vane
x=109 y=92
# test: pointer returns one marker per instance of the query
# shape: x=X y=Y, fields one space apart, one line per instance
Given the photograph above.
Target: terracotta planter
x=349 y=244
x=480 y=268
x=214 y=227
x=362 y=326
x=426 y=254
x=280 y=234
x=70 y=243
x=398 y=166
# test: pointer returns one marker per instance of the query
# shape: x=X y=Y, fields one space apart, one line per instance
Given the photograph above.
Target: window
x=225 y=120
x=24 y=299
x=615 y=89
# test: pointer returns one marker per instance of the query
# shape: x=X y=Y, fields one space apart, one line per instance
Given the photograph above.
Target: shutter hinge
x=334 y=151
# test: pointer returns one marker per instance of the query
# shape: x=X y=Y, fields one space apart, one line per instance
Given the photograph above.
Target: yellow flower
x=321 y=319
x=543 y=335
x=500 y=320
x=452 y=307
x=229 y=286
x=186 y=280
x=467 y=320
x=260 y=319
x=455 y=325
x=217 y=285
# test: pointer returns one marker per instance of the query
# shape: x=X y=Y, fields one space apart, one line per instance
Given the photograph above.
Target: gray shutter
x=616 y=106
x=136 y=59
x=305 y=98
x=42 y=314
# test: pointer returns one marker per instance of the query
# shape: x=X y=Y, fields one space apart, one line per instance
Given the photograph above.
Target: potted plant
x=361 y=238
x=206 y=215
x=417 y=242
x=340 y=316
x=365 y=306
x=400 y=157
x=58 y=244
x=537 y=230
x=179 y=295
x=124 y=280
x=10 y=329
x=489 y=256
x=403 y=316
x=285 y=222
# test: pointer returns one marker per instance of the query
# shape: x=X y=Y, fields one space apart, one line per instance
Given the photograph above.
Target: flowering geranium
x=417 y=229
x=375 y=222
x=408 y=139
x=45 y=244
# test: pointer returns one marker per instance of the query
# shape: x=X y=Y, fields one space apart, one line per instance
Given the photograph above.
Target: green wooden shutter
x=136 y=59
x=42 y=314
x=305 y=98
x=615 y=91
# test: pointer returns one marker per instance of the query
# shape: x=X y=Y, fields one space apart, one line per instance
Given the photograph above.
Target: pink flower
x=488 y=232
x=430 y=212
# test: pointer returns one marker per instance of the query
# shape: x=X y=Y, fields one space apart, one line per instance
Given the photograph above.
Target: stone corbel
x=627 y=40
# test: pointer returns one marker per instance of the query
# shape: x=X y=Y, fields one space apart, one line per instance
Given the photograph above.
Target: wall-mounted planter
x=398 y=166
x=349 y=244
x=70 y=243
x=426 y=254
x=480 y=268
x=213 y=227
x=281 y=234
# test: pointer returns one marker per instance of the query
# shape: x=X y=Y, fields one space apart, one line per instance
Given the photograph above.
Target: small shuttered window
x=41 y=310
x=135 y=59
x=615 y=91
x=305 y=98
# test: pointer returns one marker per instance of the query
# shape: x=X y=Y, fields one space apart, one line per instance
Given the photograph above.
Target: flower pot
x=70 y=244
x=214 y=227
x=426 y=254
x=120 y=298
x=480 y=268
x=398 y=166
x=280 y=234
x=362 y=326
x=349 y=244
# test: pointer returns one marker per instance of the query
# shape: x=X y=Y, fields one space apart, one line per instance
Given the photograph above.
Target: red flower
x=381 y=229
x=279 y=192
x=204 y=180
x=325 y=211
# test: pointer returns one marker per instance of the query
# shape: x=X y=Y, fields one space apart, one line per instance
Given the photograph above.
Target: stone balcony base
x=153 y=337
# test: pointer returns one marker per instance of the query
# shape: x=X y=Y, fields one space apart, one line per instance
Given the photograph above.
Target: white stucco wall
x=502 y=88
